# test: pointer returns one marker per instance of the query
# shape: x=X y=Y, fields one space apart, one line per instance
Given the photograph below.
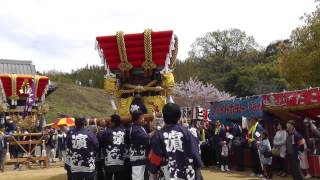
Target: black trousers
x=2 y=156
x=218 y=154
x=114 y=175
x=205 y=154
x=239 y=151
x=91 y=178
x=255 y=160
x=295 y=166
x=282 y=164
x=100 y=170
x=224 y=160
x=127 y=170
x=69 y=177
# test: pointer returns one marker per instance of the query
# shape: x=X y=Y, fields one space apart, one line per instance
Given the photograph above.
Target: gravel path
x=58 y=173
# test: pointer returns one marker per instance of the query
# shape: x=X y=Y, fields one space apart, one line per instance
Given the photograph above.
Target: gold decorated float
x=141 y=64
x=22 y=103
x=22 y=98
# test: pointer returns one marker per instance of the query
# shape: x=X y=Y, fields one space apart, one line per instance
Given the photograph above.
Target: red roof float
x=13 y=85
x=146 y=50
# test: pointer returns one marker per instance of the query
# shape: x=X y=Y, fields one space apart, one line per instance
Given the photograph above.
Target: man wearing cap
x=82 y=146
x=174 y=150
x=113 y=145
x=139 y=142
x=295 y=146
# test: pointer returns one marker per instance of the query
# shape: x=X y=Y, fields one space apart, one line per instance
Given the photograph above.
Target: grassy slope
x=71 y=99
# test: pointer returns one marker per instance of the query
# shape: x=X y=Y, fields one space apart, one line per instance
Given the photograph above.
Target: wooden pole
x=8 y=152
x=124 y=119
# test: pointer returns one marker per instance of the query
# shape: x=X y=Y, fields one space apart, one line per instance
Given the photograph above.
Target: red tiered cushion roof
x=7 y=84
x=42 y=84
x=135 y=48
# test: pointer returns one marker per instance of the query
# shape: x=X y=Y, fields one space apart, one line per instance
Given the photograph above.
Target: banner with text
x=235 y=109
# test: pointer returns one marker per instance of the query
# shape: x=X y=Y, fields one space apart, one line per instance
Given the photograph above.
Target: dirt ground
x=58 y=173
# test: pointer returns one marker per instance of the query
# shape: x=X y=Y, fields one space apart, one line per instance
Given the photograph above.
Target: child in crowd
x=265 y=156
x=304 y=165
x=224 y=156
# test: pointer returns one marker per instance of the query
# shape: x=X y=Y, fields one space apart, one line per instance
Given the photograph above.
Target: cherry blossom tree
x=195 y=92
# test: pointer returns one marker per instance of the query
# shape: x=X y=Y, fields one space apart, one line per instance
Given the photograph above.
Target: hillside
x=71 y=99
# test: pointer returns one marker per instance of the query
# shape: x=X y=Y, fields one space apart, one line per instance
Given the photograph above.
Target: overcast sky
x=60 y=34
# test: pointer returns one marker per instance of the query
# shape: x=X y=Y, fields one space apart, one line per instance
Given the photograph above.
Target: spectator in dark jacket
x=219 y=135
x=51 y=144
x=61 y=146
x=113 y=144
x=238 y=144
x=82 y=146
x=295 y=146
x=139 y=142
x=254 y=135
x=205 y=147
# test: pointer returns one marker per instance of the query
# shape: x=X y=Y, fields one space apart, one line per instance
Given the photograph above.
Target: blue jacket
x=220 y=136
x=139 y=142
x=82 y=146
x=174 y=153
x=298 y=142
x=113 y=145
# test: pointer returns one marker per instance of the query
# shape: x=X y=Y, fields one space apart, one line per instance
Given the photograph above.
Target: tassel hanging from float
x=148 y=65
x=124 y=65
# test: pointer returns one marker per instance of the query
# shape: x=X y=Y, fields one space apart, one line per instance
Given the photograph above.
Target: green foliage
x=94 y=73
x=186 y=70
x=233 y=62
x=300 y=61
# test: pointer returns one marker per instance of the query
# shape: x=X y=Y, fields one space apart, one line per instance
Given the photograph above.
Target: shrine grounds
x=57 y=172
